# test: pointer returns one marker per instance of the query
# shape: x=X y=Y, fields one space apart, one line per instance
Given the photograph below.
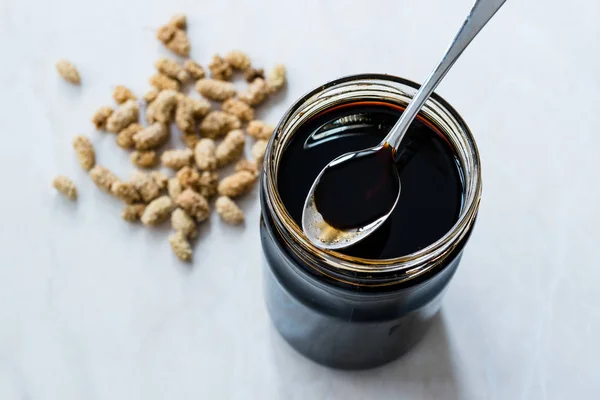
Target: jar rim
x=407 y=266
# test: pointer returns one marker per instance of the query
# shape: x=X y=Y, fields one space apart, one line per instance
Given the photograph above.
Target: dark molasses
x=430 y=176
x=359 y=189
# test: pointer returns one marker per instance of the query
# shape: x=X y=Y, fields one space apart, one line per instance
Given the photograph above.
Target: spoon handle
x=480 y=14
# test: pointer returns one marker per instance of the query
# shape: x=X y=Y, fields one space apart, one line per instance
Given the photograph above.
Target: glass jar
x=350 y=312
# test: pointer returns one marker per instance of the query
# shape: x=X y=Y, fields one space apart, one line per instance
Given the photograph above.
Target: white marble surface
x=92 y=308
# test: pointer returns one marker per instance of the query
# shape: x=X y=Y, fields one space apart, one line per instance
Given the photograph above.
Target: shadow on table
x=426 y=371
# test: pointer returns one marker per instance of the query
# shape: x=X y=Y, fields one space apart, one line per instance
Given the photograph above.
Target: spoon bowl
x=323 y=234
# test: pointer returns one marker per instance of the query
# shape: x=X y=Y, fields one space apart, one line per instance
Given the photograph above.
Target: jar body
x=341 y=328
x=350 y=312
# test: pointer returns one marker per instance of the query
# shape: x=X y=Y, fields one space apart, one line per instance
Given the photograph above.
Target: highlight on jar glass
x=366 y=304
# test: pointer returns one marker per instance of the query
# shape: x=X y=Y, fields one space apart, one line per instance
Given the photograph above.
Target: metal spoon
x=325 y=236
